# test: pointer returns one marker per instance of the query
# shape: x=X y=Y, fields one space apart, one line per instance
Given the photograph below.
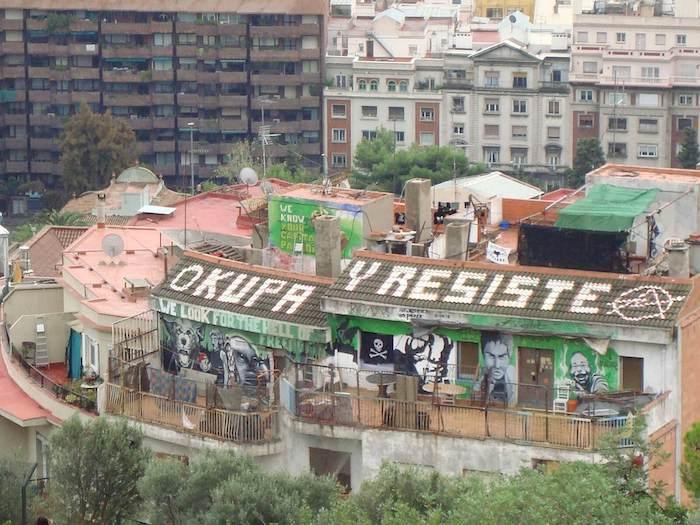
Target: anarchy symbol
x=643 y=302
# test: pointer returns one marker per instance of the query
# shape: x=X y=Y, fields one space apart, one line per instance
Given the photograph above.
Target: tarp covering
x=606 y=208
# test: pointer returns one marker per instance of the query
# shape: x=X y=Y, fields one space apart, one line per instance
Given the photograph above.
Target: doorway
x=331 y=462
x=370 y=48
x=535 y=377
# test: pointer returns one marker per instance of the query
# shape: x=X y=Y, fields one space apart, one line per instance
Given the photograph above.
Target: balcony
x=160 y=27
x=276 y=54
x=205 y=29
x=126 y=28
x=163 y=122
x=233 y=101
x=45 y=167
x=10 y=25
x=37 y=49
x=43 y=145
x=280 y=31
x=17 y=119
x=39 y=72
x=232 y=53
x=123 y=75
x=162 y=99
x=188 y=99
x=163 y=146
x=232 y=29
x=186 y=51
x=12 y=48
x=139 y=122
x=39 y=96
x=83 y=26
x=275 y=79
x=82 y=49
x=127 y=99
x=34 y=24
x=60 y=73
x=187 y=75
x=44 y=120
x=161 y=75
x=311 y=149
x=16 y=166
x=13 y=72
x=127 y=51
x=85 y=73
x=554 y=87
x=232 y=77
x=15 y=143
x=230 y=124
x=87 y=97
x=144 y=147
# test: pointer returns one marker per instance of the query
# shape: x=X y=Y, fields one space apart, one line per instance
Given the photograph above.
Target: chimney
x=327 y=245
x=419 y=213
x=101 y=210
x=456 y=239
x=694 y=253
x=678 y=258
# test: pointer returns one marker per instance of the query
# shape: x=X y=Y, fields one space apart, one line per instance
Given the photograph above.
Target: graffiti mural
x=376 y=349
x=497 y=377
x=213 y=350
x=426 y=356
x=587 y=371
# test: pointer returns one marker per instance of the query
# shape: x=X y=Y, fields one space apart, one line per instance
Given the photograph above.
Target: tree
x=248 y=154
x=58 y=218
x=224 y=488
x=12 y=476
x=589 y=156
x=95 y=468
x=689 y=155
x=94 y=146
x=690 y=469
x=378 y=166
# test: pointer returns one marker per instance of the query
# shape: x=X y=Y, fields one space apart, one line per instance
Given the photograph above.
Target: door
x=370 y=48
x=640 y=41
x=535 y=377
x=632 y=371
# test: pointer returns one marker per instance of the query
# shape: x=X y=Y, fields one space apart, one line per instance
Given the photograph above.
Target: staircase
x=41 y=352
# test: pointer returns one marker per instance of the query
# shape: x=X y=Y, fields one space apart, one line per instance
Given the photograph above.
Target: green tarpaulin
x=606 y=208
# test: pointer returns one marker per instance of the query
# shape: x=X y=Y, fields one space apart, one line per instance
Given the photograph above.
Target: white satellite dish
x=112 y=245
x=248 y=176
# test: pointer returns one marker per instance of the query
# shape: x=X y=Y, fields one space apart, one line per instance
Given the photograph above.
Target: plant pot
x=571 y=405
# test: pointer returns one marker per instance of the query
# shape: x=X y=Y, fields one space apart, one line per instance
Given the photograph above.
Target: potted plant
x=572 y=403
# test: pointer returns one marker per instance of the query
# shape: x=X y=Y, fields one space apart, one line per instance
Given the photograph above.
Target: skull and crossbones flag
x=376 y=349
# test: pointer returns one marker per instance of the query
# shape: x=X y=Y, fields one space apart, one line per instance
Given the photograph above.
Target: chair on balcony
x=561 y=398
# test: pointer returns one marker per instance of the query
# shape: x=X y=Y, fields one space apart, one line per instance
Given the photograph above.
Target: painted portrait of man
x=584 y=379
x=497 y=380
x=426 y=356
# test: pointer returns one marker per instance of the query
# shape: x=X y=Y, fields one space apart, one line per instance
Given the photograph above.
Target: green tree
x=224 y=488
x=93 y=147
x=689 y=155
x=95 y=468
x=12 y=476
x=690 y=469
x=59 y=218
x=589 y=156
x=378 y=166
x=248 y=154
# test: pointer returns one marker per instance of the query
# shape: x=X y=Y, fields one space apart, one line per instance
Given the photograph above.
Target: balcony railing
x=239 y=427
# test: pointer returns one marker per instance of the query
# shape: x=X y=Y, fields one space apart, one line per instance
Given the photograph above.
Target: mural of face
x=498 y=378
x=585 y=380
x=497 y=359
x=426 y=356
x=216 y=339
x=187 y=338
x=243 y=362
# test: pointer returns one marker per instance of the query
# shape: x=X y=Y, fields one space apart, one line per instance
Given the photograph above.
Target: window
x=362 y=85
x=647 y=151
x=649 y=100
x=491 y=130
x=520 y=80
x=518 y=156
x=553 y=132
x=341 y=81
x=494 y=12
x=585 y=95
x=557 y=75
x=162 y=39
x=620 y=38
x=617 y=150
x=338 y=110
x=685 y=100
x=396 y=113
x=590 y=67
x=650 y=72
x=373 y=85
x=621 y=72
x=553 y=159
x=400 y=136
x=632 y=372
x=582 y=37
x=492 y=155
x=369 y=111
x=616 y=99
x=520 y=106
x=369 y=134
x=458 y=104
x=617 y=124
x=91 y=355
x=467 y=360
x=492 y=79
x=660 y=39
x=427 y=139
x=426 y=114
x=403 y=86
x=648 y=125
x=412 y=50
x=162 y=64
x=553 y=107
x=338 y=160
x=492 y=105
x=338 y=135
x=601 y=38
x=681 y=40
x=683 y=123
x=519 y=132
x=391 y=86
x=458 y=129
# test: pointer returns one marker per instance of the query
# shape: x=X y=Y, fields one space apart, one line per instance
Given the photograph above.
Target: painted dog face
x=188 y=338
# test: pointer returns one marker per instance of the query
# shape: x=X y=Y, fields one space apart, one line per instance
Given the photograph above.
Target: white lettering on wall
x=271 y=286
x=296 y=295
x=425 y=282
x=523 y=294
x=228 y=294
x=585 y=294
x=356 y=278
x=495 y=283
x=556 y=287
x=196 y=270
x=399 y=277
x=209 y=284
x=463 y=293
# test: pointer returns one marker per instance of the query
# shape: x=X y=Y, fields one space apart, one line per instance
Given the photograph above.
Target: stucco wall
x=28 y=299
x=14 y=441
x=57 y=332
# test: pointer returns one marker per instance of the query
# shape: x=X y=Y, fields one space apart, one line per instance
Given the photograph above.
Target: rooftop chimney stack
x=419 y=216
x=101 y=210
x=456 y=239
x=327 y=245
x=694 y=253
x=678 y=258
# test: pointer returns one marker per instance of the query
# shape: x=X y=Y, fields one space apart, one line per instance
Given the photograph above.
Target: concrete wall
x=32 y=299
x=57 y=333
x=14 y=441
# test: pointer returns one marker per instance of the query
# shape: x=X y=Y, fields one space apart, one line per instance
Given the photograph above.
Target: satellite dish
x=512 y=19
x=248 y=176
x=112 y=245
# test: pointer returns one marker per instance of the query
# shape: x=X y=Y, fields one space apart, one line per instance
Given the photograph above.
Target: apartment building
x=634 y=75
x=209 y=72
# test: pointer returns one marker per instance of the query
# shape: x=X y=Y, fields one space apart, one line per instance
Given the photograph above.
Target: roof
x=15 y=404
x=156 y=210
x=46 y=248
x=138 y=174
x=487 y=52
x=218 y=249
x=245 y=290
x=338 y=196
x=493 y=185
x=419 y=288
x=649 y=173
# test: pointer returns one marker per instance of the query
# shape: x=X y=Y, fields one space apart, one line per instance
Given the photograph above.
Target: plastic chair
x=561 y=398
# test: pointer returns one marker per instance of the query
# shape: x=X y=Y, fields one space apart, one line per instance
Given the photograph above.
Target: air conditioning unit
x=275 y=121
